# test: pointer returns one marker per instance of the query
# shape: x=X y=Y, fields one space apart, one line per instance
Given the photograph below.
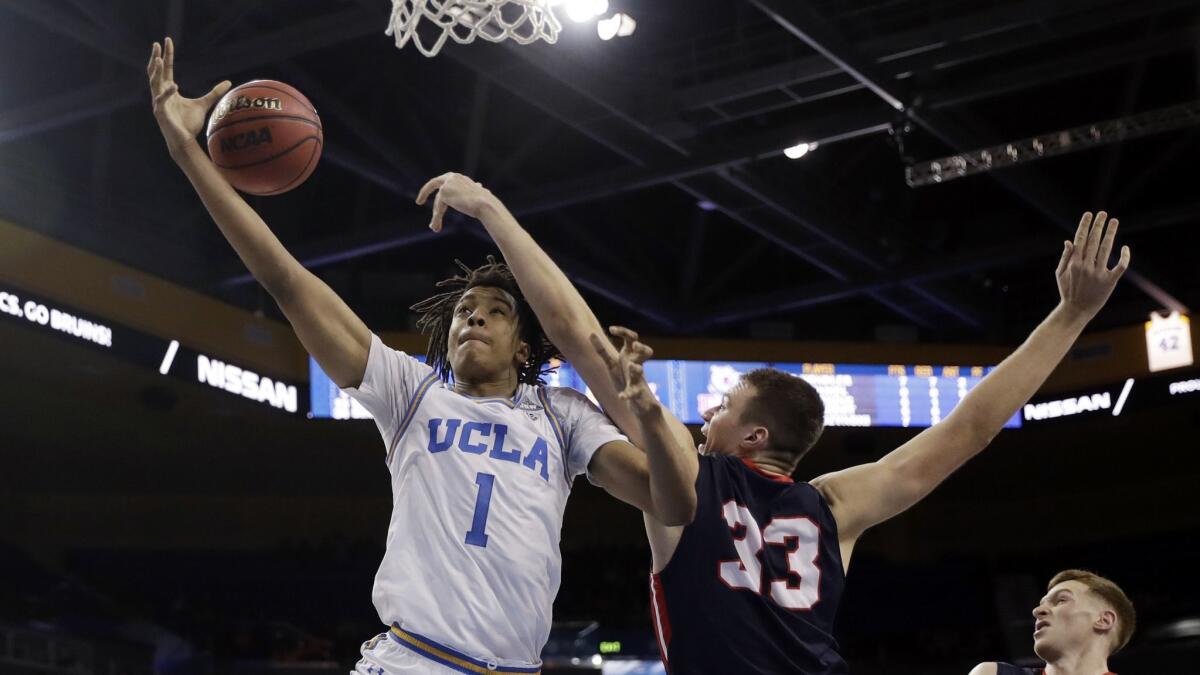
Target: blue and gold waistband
x=452 y=658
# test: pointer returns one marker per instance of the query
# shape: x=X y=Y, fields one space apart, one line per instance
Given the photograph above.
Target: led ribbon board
x=855 y=395
x=1117 y=399
x=168 y=357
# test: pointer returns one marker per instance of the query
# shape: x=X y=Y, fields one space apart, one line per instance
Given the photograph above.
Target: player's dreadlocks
x=437 y=313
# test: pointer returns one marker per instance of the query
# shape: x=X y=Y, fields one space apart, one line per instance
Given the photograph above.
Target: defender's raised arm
x=865 y=495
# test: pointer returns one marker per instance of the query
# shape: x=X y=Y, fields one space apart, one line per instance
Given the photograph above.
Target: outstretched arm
x=672 y=468
x=567 y=320
x=865 y=495
x=327 y=328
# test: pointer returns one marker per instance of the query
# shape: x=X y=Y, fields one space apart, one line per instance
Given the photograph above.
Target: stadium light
x=584 y=10
x=617 y=25
x=799 y=150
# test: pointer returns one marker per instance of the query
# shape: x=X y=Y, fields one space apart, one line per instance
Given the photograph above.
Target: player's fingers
x=155 y=75
x=153 y=55
x=169 y=60
x=1106 y=243
x=1093 y=240
x=1065 y=259
x=636 y=373
x=602 y=349
x=171 y=89
x=641 y=352
x=428 y=188
x=1122 y=263
x=439 y=212
x=1081 y=232
x=624 y=333
x=216 y=93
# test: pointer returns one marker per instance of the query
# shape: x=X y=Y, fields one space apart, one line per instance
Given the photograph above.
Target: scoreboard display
x=855 y=395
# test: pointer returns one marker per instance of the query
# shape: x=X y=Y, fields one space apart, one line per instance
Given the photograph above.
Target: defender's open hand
x=456 y=191
x=625 y=369
x=1084 y=280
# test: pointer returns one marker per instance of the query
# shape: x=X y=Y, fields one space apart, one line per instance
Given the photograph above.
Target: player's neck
x=772 y=465
x=501 y=386
x=1094 y=661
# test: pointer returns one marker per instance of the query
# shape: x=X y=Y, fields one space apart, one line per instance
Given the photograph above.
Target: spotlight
x=617 y=25
x=585 y=10
x=799 y=150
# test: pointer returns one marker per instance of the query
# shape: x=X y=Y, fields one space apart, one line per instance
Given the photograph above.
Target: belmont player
x=480 y=468
x=753 y=583
x=1082 y=620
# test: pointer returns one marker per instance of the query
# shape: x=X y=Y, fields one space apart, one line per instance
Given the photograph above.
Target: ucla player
x=1082 y=620
x=481 y=455
x=753 y=583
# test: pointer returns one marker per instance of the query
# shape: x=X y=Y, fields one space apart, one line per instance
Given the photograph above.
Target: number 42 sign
x=1168 y=341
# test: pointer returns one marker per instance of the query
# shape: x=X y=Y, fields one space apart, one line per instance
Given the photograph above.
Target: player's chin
x=1042 y=646
x=468 y=364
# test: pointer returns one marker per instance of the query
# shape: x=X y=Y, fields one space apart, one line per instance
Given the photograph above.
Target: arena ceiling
x=650 y=166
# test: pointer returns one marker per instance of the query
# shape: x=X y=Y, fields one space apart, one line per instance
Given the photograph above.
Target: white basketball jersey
x=478 y=491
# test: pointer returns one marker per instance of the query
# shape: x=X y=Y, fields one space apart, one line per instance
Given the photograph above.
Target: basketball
x=265 y=137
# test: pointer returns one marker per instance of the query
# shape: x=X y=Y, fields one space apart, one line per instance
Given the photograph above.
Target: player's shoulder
x=561 y=395
x=566 y=403
x=387 y=353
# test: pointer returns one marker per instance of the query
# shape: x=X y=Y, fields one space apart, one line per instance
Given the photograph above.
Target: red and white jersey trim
x=662 y=623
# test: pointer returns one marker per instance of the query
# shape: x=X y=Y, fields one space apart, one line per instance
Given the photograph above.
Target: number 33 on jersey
x=763 y=552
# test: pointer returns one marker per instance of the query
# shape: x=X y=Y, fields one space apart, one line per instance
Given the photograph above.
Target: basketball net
x=521 y=21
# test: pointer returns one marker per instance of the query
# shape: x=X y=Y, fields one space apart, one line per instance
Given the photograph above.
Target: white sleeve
x=585 y=428
x=389 y=383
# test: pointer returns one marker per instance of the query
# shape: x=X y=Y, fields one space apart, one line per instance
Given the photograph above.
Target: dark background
x=138 y=511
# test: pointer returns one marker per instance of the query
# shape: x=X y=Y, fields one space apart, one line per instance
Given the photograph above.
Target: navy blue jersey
x=754 y=584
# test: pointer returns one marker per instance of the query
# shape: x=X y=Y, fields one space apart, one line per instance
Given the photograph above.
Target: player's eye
x=463 y=310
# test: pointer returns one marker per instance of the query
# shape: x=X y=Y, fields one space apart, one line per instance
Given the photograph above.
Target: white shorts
x=387 y=654
x=383 y=656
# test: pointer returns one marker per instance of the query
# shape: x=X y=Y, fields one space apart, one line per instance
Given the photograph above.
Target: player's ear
x=755 y=440
x=522 y=353
x=1106 y=621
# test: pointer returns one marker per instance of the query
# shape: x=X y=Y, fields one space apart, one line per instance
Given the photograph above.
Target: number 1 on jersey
x=477 y=536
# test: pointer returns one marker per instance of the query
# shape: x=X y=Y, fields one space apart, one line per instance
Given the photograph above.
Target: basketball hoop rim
x=465 y=20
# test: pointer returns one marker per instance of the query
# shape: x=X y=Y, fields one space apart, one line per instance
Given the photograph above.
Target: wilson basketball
x=265 y=137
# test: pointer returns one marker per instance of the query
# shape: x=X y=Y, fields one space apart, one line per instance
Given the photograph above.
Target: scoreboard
x=855 y=395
